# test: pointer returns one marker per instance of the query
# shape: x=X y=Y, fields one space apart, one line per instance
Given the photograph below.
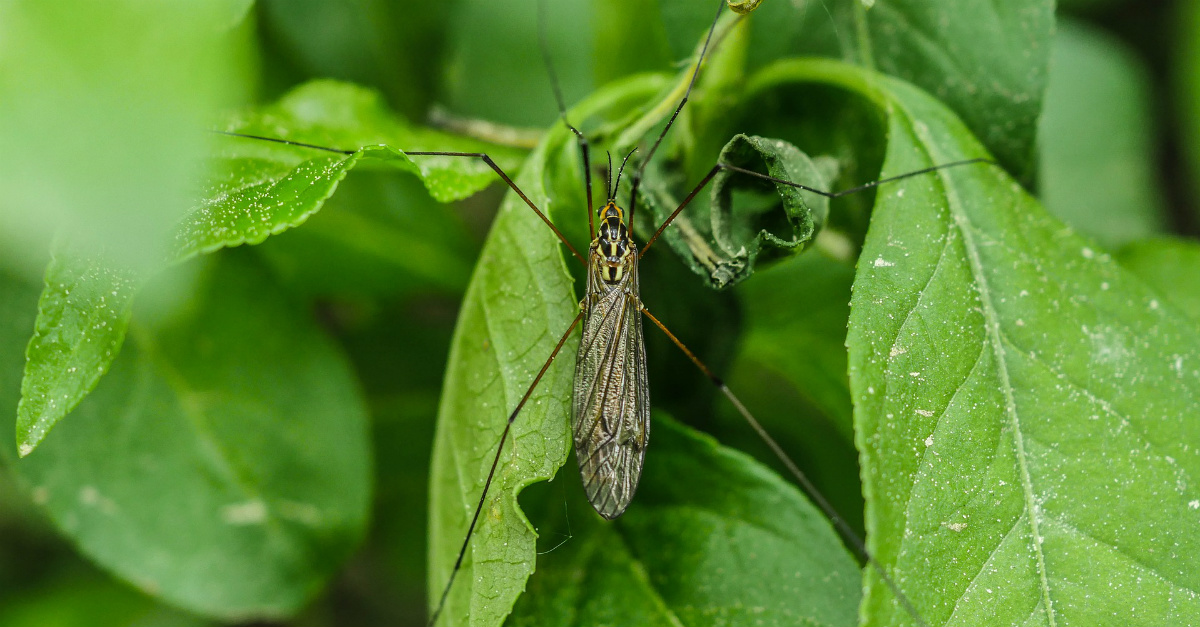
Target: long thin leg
x=288 y=142
x=562 y=113
x=637 y=176
x=845 y=192
x=798 y=474
x=462 y=551
x=477 y=155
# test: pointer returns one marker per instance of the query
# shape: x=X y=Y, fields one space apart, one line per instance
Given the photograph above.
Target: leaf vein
x=983 y=567
x=923 y=464
x=920 y=296
x=1133 y=561
x=992 y=328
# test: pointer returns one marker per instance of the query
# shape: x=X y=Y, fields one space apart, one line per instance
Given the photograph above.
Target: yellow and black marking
x=613 y=245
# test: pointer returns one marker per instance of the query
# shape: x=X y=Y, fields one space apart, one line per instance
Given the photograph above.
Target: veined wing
x=611 y=406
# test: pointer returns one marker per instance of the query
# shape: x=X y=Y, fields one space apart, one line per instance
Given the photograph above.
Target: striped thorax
x=612 y=251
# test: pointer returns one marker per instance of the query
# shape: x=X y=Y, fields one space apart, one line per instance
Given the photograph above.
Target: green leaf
x=18 y=311
x=739 y=228
x=222 y=465
x=990 y=68
x=713 y=539
x=257 y=189
x=1168 y=265
x=1101 y=183
x=82 y=318
x=518 y=304
x=1022 y=405
x=726 y=249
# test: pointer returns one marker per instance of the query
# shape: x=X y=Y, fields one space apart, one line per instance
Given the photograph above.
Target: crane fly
x=610 y=409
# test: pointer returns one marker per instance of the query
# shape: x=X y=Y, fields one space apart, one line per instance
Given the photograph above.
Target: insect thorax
x=613 y=251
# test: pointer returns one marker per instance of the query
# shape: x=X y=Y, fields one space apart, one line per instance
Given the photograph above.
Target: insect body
x=611 y=405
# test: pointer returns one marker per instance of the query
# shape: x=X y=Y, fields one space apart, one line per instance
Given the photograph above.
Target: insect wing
x=611 y=406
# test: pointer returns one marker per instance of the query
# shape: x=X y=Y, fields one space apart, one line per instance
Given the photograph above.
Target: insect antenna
x=562 y=112
x=617 y=184
x=611 y=191
x=637 y=175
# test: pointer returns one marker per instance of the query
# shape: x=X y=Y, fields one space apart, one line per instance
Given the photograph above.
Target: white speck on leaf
x=89 y=496
x=247 y=513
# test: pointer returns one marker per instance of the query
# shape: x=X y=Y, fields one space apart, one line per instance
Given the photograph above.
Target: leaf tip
x=28 y=437
x=32 y=426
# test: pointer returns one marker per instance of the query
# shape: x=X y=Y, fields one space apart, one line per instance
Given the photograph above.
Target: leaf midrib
x=962 y=224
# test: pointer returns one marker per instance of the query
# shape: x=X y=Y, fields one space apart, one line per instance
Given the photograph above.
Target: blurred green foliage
x=224 y=357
